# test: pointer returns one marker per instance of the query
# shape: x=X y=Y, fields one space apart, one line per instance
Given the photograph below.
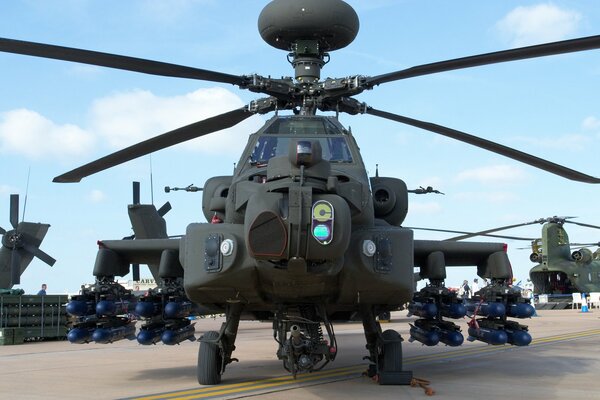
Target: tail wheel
x=210 y=360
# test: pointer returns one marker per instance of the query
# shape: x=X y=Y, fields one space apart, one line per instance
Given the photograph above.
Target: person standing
x=464 y=291
x=475 y=286
x=42 y=291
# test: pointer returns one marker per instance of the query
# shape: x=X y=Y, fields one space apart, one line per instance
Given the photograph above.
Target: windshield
x=334 y=149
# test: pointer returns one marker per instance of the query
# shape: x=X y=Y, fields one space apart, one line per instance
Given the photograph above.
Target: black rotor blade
x=487 y=231
x=470 y=233
x=2 y=231
x=114 y=61
x=489 y=145
x=521 y=53
x=15 y=266
x=151 y=145
x=135 y=272
x=14 y=210
x=581 y=224
x=164 y=209
x=584 y=244
x=37 y=252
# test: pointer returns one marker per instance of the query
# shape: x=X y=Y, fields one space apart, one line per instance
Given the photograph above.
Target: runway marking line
x=350 y=371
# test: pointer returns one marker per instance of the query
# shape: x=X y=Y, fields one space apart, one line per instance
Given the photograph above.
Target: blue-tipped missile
x=488 y=335
x=424 y=310
x=520 y=310
x=175 y=336
x=453 y=310
x=148 y=309
x=81 y=308
x=485 y=309
x=80 y=335
x=150 y=334
x=113 y=334
x=518 y=337
x=112 y=308
x=427 y=337
x=178 y=309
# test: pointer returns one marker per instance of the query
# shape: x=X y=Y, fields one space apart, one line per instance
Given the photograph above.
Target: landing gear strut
x=216 y=347
x=385 y=351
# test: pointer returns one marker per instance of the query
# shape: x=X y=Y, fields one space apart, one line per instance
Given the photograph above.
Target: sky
x=55 y=116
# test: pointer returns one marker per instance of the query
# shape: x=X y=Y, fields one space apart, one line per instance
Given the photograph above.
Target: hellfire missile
x=520 y=310
x=80 y=306
x=453 y=310
x=425 y=310
x=485 y=309
x=151 y=333
x=178 y=309
x=177 y=335
x=113 y=334
x=487 y=331
x=427 y=337
x=148 y=309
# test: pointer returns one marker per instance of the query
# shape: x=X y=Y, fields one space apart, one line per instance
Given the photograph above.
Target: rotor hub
x=12 y=239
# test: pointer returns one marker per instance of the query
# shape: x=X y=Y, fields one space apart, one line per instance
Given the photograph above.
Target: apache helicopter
x=559 y=270
x=299 y=235
x=19 y=246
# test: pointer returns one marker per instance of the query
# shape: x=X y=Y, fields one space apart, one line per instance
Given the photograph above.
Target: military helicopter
x=19 y=246
x=559 y=270
x=299 y=235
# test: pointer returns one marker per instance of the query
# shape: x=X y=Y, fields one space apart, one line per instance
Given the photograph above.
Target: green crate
x=6 y=336
x=18 y=336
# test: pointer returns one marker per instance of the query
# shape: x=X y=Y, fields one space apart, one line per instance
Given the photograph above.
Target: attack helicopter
x=19 y=246
x=559 y=270
x=299 y=235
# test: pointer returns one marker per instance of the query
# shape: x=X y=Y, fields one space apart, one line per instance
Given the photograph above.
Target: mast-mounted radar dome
x=308 y=29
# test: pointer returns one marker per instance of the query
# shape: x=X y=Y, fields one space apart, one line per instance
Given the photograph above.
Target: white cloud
x=5 y=189
x=96 y=196
x=591 y=123
x=527 y=25
x=493 y=174
x=127 y=118
x=31 y=134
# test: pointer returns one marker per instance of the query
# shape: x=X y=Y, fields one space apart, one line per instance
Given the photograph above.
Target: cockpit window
x=335 y=149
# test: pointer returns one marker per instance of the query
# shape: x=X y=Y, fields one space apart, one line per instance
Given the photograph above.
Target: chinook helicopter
x=559 y=270
x=19 y=246
x=299 y=235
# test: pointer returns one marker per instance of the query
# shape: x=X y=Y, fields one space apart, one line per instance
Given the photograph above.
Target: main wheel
x=209 y=361
x=391 y=360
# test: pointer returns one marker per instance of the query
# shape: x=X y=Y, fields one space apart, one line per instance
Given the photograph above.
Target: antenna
x=26 y=193
x=151 y=182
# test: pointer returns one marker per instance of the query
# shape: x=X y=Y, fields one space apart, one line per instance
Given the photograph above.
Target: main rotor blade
x=521 y=53
x=487 y=231
x=14 y=210
x=15 y=266
x=114 y=61
x=471 y=233
x=36 y=251
x=2 y=231
x=165 y=140
x=489 y=145
x=581 y=224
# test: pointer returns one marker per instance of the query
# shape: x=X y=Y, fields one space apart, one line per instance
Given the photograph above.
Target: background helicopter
x=562 y=267
x=334 y=96
x=19 y=246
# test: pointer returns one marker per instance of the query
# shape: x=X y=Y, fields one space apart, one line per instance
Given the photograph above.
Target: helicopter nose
x=267 y=236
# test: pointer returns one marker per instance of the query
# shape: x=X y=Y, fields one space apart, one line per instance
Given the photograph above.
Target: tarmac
x=562 y=362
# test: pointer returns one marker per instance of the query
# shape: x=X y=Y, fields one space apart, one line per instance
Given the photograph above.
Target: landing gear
x=385 y=352
x=216 y=348
x=302 y=345
x=210 y=360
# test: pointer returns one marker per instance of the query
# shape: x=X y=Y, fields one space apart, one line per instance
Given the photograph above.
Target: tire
x=209 y=360
x=391 y=360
